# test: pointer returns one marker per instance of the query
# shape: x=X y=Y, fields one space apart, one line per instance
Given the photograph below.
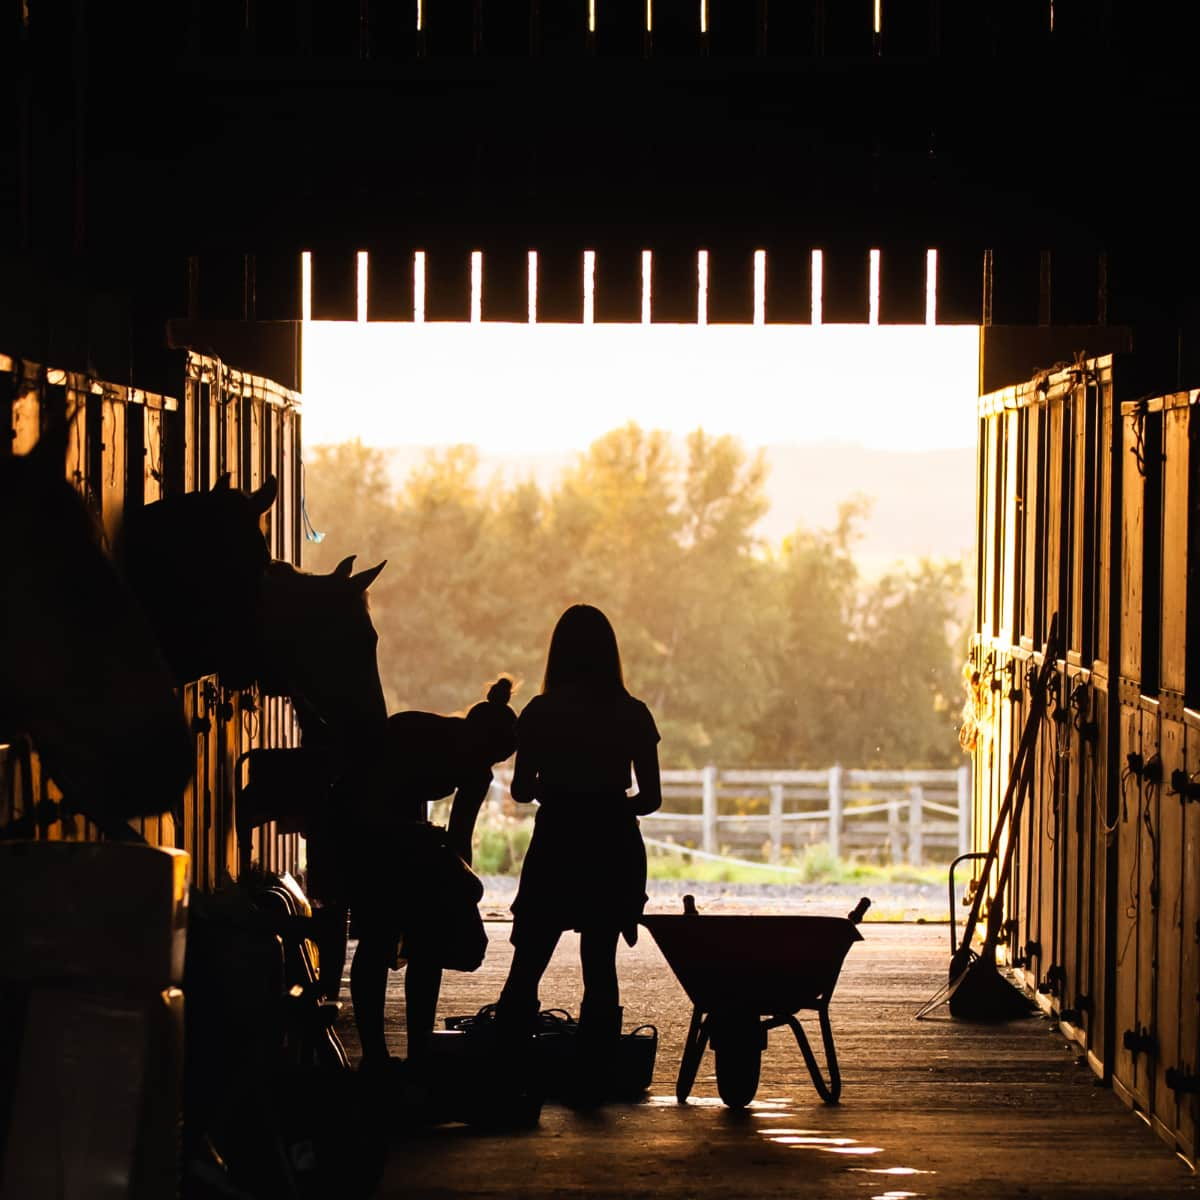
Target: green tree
x=747 y=654
x=909 y=708
x=812 y=665
x=712 y=688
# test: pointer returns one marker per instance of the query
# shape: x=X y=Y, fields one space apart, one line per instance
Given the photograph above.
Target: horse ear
x=342 y=570
x=262 y=499
x=364 y=579
x=222 y=484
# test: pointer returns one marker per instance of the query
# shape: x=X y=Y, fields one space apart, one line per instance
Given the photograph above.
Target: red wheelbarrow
x=746 y=975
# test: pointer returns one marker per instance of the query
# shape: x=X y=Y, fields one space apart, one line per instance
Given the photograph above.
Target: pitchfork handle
x=859 y=911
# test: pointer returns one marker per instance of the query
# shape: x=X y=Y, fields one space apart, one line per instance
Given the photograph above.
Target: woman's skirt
x=585 y=868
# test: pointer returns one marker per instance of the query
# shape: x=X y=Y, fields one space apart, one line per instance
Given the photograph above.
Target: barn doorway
x=776 y=516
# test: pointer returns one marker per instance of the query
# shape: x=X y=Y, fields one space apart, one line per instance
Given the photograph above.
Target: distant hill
x=924 y=501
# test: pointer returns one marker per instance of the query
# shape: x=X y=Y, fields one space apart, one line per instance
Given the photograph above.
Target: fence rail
x=912 y=817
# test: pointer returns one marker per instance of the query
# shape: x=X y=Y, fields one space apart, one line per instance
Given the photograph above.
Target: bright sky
x=521 y=389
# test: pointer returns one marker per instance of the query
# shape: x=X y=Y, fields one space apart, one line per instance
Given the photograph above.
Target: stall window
x=1000 y=534
x=1066 y=526
x=1019 y=532
x=1192 y=668
x=1091 y=501
x=981 y=523
x=1151 y=465
x=1040 y=519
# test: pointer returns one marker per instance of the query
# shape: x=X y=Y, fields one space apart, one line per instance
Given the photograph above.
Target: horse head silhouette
x=317 y=644
x=196 y=561
x=81 y=673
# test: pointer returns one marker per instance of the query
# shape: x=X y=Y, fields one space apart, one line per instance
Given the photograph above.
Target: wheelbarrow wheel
x=737 y=1074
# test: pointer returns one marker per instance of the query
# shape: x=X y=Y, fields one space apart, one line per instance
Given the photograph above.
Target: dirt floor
x=937 y=1108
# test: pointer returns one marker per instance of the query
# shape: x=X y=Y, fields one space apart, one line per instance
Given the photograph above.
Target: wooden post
x=895 y=838
x=708 y=800
x=776 y=822
x=835 y=811
x=964 y=809
x=916 y=815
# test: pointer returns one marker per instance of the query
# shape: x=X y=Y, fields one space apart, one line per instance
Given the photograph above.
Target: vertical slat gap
x=873 y=261
x=931 y=262
x=760 y=287
x=362 y=265
x=647 y=268
x=419 y=287
x=589 y=287
x=817 y=286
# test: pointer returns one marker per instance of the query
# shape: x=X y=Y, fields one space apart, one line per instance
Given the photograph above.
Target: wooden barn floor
x=935 y=1108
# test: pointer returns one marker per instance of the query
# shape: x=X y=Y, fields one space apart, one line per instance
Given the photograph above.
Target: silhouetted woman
x=409 y=894
x=586 y=864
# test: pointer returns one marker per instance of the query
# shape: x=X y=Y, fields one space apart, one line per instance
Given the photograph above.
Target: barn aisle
x=934 y=1108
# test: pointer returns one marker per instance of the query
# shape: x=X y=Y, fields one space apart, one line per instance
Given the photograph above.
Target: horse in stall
x=314 y=643
x=307 y=637
x=81 y=673
x=173 y=551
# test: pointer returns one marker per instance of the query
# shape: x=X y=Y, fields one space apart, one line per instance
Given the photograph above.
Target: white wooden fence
x=911 y=817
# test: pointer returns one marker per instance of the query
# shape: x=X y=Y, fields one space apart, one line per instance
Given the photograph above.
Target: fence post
x=835 y=810
x=916 y=814
x=895 y=838
x=964 y=809
x=776 y=822
x=708 y=808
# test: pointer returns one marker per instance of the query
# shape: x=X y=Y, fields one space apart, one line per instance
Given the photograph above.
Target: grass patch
x=501 y=843
x=813 y=864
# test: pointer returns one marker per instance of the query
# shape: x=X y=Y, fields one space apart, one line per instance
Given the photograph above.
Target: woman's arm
x=648 y=797
x=524 y=780
x=464 y=808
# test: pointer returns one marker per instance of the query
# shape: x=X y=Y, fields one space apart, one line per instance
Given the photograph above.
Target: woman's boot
x=597 y=1058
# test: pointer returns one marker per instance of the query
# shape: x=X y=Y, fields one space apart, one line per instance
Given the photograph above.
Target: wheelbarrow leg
x=693 y=1052
x=831 y=1091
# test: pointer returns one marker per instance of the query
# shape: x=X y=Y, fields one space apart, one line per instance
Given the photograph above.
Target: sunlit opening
x=646 y=275
x=306 y=285
x=930 y=287
x=591 y=16
x=723 y=467
x=589 y=287
x=817 y=285
x=703 y=16
x=760 y=287
x=878 y=17
x=873 y=289
x=420 y=15
x=649 y=16
x=419 y=286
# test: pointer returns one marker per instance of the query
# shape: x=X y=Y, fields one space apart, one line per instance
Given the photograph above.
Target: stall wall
x=128 y=447
x=1088 y=508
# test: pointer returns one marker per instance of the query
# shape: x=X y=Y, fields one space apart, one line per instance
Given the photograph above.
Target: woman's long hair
x=583 y=650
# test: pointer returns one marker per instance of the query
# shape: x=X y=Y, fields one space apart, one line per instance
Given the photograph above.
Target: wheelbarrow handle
x=859 y=911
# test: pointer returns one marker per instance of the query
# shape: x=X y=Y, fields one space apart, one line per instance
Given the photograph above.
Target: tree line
x=748 y=654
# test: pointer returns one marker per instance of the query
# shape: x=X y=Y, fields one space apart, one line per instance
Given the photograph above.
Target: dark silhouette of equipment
x=975 y=989
x=747 y=975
